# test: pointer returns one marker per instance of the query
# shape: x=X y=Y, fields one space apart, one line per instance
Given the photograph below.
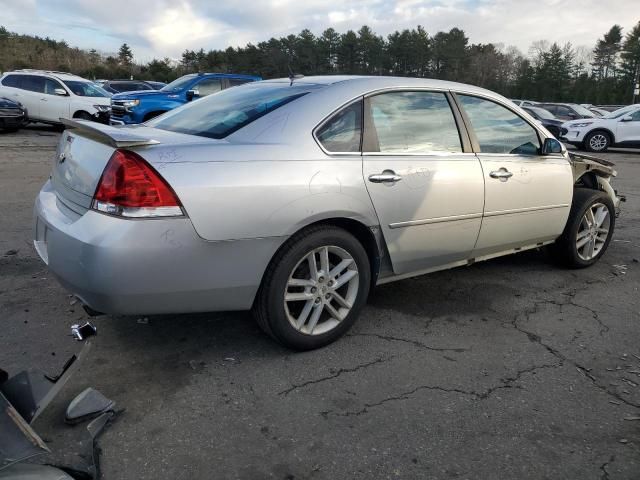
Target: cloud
x=167 y=27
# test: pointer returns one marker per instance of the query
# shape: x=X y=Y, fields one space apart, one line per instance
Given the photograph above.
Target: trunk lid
x=85 y=149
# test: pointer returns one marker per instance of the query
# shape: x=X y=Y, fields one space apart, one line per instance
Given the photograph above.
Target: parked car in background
x=620 y=128
x=49 y=96
x=119 y=86
x=12 y=115
x=138 y=107
x=567 y=111
x=524 y=103
x=546 y=118
x=295 y=198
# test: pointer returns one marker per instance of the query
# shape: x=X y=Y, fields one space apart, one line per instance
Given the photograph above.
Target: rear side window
x=411 y=122
x=11 y=81
x=222 y=114
x=498 y=129
x=33 y=83
x=343 y=131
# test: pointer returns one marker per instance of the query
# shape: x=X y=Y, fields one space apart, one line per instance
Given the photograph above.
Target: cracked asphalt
x=511 y=368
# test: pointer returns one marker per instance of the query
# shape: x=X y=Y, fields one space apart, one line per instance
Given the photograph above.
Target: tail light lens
x=130 y=187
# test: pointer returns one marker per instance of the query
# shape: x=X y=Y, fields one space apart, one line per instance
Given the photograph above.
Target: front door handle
x=503 y=174
x=388 y=176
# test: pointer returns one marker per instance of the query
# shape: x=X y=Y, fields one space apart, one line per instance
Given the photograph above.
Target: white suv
x=620 y=128
x=49 y=96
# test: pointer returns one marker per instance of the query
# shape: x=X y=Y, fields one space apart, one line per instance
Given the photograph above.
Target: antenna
x=293 y=76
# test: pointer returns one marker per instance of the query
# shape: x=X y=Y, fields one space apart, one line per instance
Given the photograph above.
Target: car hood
x=591 y=121
x=142 y=94
x=6 y=103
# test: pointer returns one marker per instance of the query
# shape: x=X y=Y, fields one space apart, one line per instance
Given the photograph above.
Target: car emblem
x=62 y=157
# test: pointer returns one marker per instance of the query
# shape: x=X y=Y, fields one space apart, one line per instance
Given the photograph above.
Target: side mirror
x=551 y=146
x=60 y=91
x=191 y=94
x=626 y=119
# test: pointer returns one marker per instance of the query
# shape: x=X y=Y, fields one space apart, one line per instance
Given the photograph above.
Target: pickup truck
x=140 y=106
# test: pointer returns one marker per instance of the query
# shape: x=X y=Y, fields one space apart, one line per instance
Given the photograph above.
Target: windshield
x=221 y=114
x=621 y=111
x=86 y=89
x=178 y=84
x=582 y=111
x=542 y=113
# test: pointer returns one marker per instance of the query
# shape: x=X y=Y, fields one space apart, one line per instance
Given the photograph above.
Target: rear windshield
x=221 y=114
x=179 y=83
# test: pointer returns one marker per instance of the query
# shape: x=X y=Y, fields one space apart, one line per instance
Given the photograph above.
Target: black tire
x=564 y=250
x=151 y=115
x=83 y=116
x=269 y=309
x=597 y=141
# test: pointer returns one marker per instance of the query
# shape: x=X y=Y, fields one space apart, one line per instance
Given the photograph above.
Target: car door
x=52 y=105
x=424 y=181
x=527 y=195
x=628 y=128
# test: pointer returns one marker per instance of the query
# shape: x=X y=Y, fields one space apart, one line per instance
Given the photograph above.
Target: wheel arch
x=604 y=130
x=152 y=114
x=77 y=113
x=369 y=237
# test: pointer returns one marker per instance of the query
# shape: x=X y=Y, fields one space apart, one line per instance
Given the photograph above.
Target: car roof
x=48 y=73
x=375 y=82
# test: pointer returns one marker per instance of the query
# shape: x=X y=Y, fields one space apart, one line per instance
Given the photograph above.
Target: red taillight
x=130 y=187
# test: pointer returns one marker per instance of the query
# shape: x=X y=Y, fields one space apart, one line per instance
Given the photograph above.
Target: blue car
x=140 y=106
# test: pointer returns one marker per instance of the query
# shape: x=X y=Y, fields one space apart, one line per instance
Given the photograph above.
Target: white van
x=50 y=96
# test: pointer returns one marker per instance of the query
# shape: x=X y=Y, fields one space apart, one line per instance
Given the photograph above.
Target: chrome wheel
x=321 y=290
x=598 y=142
x=593 y=231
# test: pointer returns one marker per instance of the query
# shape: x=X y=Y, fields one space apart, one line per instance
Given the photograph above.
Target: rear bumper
x=146 y=266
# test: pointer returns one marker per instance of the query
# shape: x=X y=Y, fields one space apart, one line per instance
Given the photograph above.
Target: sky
x=160 y=28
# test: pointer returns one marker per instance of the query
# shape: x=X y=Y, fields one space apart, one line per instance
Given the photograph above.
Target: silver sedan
x=295 y=197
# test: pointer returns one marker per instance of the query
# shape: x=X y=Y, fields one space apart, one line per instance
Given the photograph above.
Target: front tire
x=314 y=288
x=588 y=231
x=597 y=141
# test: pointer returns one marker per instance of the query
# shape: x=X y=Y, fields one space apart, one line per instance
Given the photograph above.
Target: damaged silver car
x=295 y=197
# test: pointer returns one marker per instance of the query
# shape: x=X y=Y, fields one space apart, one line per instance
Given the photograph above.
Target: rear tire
x=588 y=231
x=597 y=141
x=314 y=288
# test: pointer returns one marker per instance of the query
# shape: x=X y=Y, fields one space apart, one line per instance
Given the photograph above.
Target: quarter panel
x=252 y=199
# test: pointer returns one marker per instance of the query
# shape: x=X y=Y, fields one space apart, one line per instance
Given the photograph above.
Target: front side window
x=234 y=82
x=342 y=132
x=50 y=86
x=412 y=122
x=208 y=86
x=498 y=129
x=222 y=114
x=635 y=116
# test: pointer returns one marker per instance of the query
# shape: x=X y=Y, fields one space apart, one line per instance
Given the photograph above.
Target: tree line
x=548 y=71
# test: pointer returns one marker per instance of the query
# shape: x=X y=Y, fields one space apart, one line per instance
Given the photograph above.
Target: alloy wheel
x=598 y=142
x=321 y=290
x=593 y=231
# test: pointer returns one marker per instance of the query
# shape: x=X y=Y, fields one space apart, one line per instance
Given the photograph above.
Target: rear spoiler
x=115 y=136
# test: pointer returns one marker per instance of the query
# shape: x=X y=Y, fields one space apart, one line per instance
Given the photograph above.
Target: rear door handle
x=388 y=176
x=503 y=174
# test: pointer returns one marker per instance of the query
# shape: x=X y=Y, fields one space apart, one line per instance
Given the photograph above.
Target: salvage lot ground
x=511 y=368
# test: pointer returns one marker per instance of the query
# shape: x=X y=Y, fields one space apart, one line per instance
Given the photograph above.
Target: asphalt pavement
x=511 y=368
